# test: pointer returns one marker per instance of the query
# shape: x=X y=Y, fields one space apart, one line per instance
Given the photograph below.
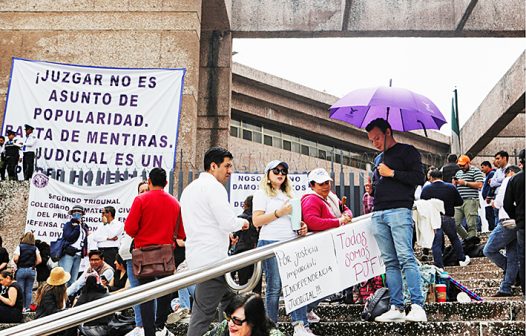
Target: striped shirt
x=472 y=175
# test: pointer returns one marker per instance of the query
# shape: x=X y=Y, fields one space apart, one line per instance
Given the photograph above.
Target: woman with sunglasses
x=245 y=316
x=270 y=210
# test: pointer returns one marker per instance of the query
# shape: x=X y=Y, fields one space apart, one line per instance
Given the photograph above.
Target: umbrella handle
x=423 y=127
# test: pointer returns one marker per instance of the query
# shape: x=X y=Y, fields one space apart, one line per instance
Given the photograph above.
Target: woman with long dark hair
x=11 y=300
x=245 y=316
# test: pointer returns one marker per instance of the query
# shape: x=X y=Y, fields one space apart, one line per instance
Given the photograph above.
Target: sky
x=433 y=67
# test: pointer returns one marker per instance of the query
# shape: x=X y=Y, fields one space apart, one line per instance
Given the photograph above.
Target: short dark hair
x=255 y=314
x=158 y=177
x=512 y=168
x=96 y=252
x=247 y=203
x=2 y=137
x=436 y=174
x=216 y=155
x=110 y=209
x=7 y=273
x=486 y=163
x=381 y=123
x=452 y=158
x=502 y=154
x=521 y=156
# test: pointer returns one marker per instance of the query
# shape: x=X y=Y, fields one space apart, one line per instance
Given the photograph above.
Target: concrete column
x=215 y=81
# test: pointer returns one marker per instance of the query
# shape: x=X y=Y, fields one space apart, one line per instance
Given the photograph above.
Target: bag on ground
x=377 y=304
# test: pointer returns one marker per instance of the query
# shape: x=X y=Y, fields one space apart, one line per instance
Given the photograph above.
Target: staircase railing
x=132 y=296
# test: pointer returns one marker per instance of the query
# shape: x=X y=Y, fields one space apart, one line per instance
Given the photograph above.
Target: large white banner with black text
x=88 y=117
x=50 y=201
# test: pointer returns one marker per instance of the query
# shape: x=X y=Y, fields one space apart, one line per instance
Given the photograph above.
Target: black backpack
x=377 y=304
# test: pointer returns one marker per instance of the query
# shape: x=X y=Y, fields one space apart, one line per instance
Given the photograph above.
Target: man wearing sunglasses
x=468 y=181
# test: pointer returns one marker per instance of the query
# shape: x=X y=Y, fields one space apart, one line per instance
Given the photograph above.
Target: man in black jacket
x=514 y=206
x=398 y=170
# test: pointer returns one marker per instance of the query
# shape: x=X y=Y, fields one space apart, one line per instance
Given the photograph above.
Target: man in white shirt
x=208 y=220
x=28 y=152
x=108 y=236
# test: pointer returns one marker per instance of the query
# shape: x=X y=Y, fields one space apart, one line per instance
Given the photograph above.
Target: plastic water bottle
x=295 y=215
x=175 y=304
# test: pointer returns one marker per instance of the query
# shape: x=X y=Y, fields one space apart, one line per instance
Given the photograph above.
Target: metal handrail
x=132 y=296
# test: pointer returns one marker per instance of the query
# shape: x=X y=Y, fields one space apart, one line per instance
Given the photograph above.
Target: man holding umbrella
x=398 y=170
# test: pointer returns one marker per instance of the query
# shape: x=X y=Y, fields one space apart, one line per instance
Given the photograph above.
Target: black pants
x=244 y=275
x=152 y=318
x=490 y=217
x=28 y=164
x=11 y=163
x=2 y=169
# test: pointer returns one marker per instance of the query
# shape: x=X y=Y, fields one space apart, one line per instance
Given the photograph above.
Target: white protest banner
x=96 y=117
x=308 y=271
x=243 y=185
x=357 y=253
x=50 y=201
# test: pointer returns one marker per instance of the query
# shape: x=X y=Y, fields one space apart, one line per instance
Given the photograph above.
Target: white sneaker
x=177 y=315
x=417 y=314
x=300 y=330
x=393 y=315
x=137 y=331
x=163 y=332
x=465 y=262
x=312 y=317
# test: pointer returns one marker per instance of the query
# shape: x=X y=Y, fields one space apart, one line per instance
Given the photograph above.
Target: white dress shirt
x=30 y=143
x=499 y=199
x=106 y=231
x=208 y=220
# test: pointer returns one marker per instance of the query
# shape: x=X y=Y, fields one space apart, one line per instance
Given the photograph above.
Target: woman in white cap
x=270 y=209
x=51 y=297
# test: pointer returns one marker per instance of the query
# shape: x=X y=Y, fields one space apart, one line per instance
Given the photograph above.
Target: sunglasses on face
x=277 y=171
x=237 y=321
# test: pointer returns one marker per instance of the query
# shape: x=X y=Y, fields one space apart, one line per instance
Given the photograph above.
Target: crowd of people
x=202 y=229
x=15 y=150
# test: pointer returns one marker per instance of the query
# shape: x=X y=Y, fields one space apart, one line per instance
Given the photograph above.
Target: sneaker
x=309 y=331
x=177 y=315
x=312 y=317
x=502 y=294
x=137 y=331
x=465 y=262
x=417 y=314
x=393 y=315
x=163 y=332
x=300 y=330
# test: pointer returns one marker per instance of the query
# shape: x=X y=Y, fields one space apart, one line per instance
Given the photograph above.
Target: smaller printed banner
x=50 y=201
x=243 y=185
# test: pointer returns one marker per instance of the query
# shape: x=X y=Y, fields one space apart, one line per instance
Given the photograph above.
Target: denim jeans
x=520 y=250
x=393 y=231
x=184 y=296
x=448 y=227
x=26 y=278
x=134 y=282
x=501 y=238
x=273 y=290
x=71 y=265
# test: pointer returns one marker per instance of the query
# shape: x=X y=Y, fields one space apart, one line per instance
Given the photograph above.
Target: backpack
x=377 y=304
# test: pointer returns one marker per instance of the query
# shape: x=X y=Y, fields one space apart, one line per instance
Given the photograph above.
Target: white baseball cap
x=273 y=164
x=319 y=175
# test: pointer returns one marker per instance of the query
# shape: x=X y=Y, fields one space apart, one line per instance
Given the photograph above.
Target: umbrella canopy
x=402 y=108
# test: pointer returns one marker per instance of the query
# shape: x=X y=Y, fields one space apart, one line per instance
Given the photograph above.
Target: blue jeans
x=71 y=265
x=393 y=231
x=520 y=250
x=134 y=283
x=449 y=228
x=184 y=296
x=26 y=278
x=501 y=238
x=273 y=290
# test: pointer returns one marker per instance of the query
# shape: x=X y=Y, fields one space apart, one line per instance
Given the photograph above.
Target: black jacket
x=514 y=199
x=248 y=238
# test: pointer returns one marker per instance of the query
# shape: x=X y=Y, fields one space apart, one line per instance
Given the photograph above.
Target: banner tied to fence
x=334 y=261
x=50 y=201
x=243 y=185
x=88 y=117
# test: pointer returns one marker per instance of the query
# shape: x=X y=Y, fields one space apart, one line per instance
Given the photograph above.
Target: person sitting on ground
x=93 y=290
x=451 y=197
x=26 y=257
x=120 y=279
x=11 y=300
x=245 y=316
x=97 y=265
x=51 y=296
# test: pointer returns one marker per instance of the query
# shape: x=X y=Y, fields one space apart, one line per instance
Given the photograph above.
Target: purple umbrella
x=405 y=110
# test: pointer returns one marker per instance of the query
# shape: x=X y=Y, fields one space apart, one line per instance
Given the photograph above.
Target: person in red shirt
x=153 y=220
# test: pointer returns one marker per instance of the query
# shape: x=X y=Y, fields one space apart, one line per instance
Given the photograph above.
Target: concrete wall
x=344 y=18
